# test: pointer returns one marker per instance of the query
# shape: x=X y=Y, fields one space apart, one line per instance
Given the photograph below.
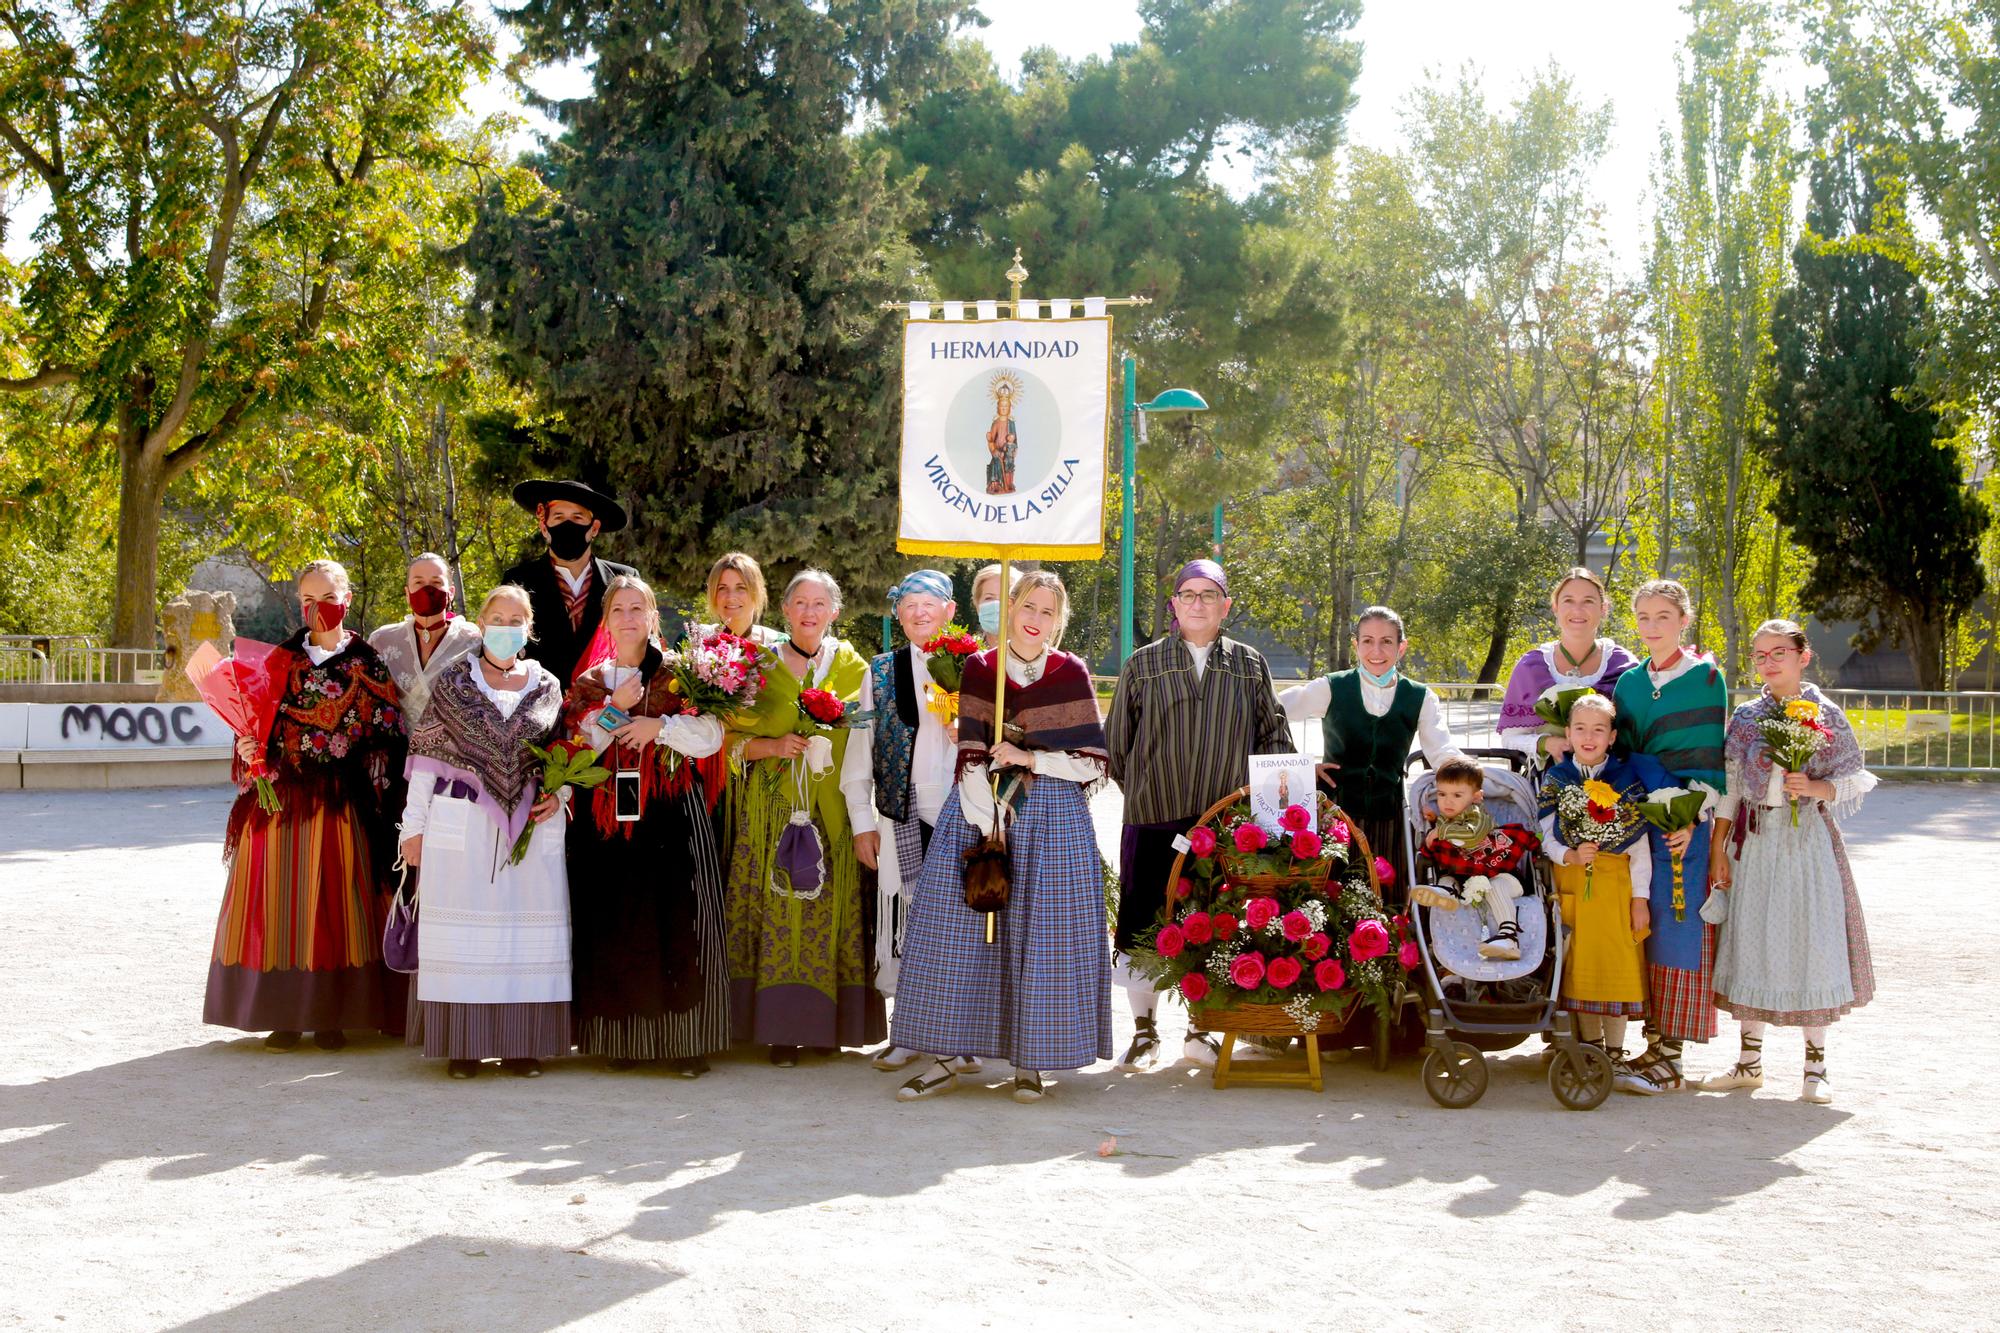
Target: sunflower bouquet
x=1594 y=811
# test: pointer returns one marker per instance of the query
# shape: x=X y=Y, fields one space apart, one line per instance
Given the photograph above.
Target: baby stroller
x=1474 y=1004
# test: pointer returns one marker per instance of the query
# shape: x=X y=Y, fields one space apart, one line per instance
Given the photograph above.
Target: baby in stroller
x=1475 y=857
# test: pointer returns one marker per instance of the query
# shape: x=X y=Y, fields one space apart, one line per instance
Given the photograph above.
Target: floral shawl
x=462 y=737
x=337 y=738
x=1749 y=759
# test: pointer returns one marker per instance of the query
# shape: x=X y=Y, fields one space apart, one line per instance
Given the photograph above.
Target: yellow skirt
x=1606 y=966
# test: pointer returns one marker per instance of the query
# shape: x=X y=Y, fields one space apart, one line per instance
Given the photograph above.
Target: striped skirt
x=447 y=1030
x=298 y=944
x=1039 y=996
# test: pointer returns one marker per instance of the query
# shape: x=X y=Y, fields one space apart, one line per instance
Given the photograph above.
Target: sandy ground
x=155 y=1173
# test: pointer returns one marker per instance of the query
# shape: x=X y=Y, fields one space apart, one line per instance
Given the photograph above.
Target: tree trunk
x=1496 y=646
x=1924 y=638
x=142 y=487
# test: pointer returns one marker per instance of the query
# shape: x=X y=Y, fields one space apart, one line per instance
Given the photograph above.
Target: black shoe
x=785 y=1057
x=282 y=1041
x=522 y=1068
x=330 y=1039
x=691 y=1067
x=463 y=1069
x=824 y=1051
x=621 y=1065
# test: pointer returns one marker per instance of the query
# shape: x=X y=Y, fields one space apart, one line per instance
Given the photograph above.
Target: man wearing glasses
x=1191 y=709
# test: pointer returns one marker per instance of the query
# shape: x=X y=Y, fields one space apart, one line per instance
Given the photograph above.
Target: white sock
x=1590 y=1026
x=1816 y=1051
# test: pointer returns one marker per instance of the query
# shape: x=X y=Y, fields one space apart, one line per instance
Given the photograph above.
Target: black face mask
x=569 y=540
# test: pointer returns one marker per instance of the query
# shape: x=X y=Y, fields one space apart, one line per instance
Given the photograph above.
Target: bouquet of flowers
x=1671 y=809
x=1794 y=735
x=244 y=689
x=944 y=657
x=1554 y=706
x=717 y=675
x=570 y=763
x=1310 y=944
x=822 y=709
x=1594 y=811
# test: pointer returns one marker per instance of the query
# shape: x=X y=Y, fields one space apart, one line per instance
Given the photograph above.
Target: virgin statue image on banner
x=1003 y=438
x=1003 y=432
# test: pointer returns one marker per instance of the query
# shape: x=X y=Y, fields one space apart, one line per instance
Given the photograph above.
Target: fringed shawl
x=463 y=737
x=1747 y=754
x=1056 y=712
x=659 y=775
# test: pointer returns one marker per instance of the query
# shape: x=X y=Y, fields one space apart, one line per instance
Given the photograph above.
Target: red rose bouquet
x=244 y=689
x=570 y=763
x=821 y=708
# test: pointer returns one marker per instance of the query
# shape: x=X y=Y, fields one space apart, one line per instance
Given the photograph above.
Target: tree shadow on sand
x=1683 y=1153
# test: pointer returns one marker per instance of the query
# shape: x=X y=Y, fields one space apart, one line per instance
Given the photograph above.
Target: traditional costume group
x=701 y=896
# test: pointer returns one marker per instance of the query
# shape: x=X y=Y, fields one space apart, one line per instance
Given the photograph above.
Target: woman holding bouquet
x=737 y=598
x=1577 y=658
x=649 y=973
x=298 y=947
x=1039 y=996
x=904 y=763
x=1674 y=707
x=493 y=930
x=1792 y=948
x=798 y=968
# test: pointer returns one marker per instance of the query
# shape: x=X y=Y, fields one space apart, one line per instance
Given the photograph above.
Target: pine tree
x=694 y=301
x=1868 y=479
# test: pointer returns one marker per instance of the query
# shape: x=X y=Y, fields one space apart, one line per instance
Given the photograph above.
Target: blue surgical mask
x=505 y=642
x=1383 y=681
x=989 y=617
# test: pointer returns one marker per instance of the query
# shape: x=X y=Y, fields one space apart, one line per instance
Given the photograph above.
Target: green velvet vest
x=1371 y=751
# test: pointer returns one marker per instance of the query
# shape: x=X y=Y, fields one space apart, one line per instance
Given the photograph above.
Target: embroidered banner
x=1005 y=430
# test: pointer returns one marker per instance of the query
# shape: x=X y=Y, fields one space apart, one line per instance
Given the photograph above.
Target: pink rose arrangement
x=1194 y=988
x=1196 y=928
x=1295 y=819
x=1306 y=845
x=1249 y=837
x=1202 y=842
x=1297 y=925
x=1315 y=946
x=1283 y=972
x=1260 y=912
x=1369 y=940
x=1169 y=942
x=1329 y=975
x=1246 y=972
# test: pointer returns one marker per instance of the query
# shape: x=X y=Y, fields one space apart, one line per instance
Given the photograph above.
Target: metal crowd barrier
x=29 y=659
x=1934 y=732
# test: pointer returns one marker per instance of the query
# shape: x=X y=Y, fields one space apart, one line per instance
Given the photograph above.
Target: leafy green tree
x=1102 y=171
x=1725 y=183
x=1868 y=480
x=693 y=302
x=210 y=251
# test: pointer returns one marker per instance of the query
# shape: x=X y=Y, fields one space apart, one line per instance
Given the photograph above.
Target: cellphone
x=613 y=717
x=625 y=795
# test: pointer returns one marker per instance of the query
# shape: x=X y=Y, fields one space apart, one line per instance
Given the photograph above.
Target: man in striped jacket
x=1191 y=709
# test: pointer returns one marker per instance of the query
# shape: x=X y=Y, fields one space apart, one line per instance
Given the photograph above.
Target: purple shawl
x=1532 y=676
x=463 y=738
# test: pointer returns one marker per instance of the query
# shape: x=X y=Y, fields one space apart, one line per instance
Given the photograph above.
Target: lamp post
x=1171 y=400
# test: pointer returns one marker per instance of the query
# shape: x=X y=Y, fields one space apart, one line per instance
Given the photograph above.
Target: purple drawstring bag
x=800 y=859
x=399 y=932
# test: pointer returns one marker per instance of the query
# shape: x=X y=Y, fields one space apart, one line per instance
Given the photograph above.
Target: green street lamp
x=1170 y=400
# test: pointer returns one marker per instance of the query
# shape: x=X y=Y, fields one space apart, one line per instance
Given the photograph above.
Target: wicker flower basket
x=1271 y=1020
x=1357 y=848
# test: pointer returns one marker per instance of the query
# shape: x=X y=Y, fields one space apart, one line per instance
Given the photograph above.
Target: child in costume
x=1601 y=849
x=1674 y=708
x=1793 y=948
x=1479 y=855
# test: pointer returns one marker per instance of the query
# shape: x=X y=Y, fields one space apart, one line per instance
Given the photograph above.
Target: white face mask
x=989 y=617
x=505 y=642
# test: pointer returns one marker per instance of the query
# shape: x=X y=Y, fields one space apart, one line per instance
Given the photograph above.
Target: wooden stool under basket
x=1271 y=1020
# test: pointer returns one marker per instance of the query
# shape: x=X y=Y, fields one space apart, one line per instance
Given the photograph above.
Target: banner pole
x=999 y=713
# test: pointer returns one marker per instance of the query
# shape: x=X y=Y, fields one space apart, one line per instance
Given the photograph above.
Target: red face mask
x=326 y=616
x=429 y=600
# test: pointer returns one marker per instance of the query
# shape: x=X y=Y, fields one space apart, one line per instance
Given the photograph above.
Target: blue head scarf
x=924 y=580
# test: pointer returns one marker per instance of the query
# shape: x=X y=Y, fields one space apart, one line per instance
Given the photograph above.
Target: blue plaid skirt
x=1039 y=996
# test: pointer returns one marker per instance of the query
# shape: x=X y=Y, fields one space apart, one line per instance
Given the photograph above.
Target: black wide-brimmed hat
x=609 y=514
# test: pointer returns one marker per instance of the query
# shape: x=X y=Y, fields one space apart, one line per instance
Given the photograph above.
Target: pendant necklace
x=1657 y=687
x=1575 y=663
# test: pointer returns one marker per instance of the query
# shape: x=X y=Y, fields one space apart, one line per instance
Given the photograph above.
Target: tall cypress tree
x=1868 y=479
x=695 y=300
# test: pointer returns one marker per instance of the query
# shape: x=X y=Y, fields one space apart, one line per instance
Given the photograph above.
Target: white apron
x=488 y=932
